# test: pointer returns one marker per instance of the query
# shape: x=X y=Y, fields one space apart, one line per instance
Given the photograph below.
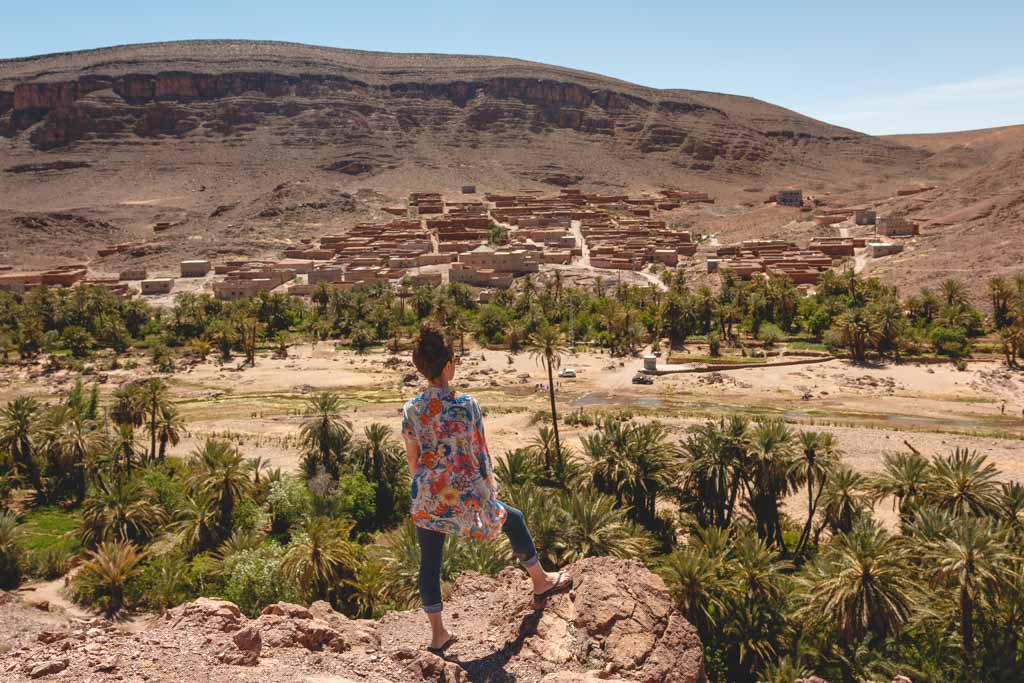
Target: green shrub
x=164 y=582
x=162 y=358
x=714 y=344
x=10 y=552
x=770 y=335
x=950 y=341
x=255 y=579
x=289 y=502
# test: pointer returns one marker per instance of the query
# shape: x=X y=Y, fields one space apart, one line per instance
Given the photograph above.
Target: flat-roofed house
x=157 y=285
x=195 y=268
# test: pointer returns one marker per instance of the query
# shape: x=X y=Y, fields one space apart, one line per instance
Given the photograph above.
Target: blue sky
x=879 y=67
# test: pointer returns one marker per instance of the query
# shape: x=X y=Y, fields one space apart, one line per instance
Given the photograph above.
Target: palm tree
x=517 y=468
x=904 y=476
x=818 y=455
x=715 y=458
x=976 y=559
x=964 y=483
x=17 y=422
x=381 y=458
x=319 y=556
x=370 y=587
x=220 y=472
x=769 y=479
x=1000 y=295
x=111 y=566
x=859 y=331
x=953 y=292
x=197 y=523
x=651 y=468
x=557 y=469
x=846 y=496
x=698 y=583
x=69 y=441
x=127 y=408
x=257 y=465
x=153 y=401
x=596 y=528
x=547 y=344
x=325 y=435
x=123 y=449
x=120 y=510
x=1011 y=506
x=861 y=585
x=170 y=428
x=548 y=521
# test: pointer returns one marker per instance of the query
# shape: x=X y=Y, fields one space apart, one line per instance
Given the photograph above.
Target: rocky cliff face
x=205 y=89
x=617 y=624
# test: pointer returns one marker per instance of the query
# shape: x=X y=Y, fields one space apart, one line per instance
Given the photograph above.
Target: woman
x=453 y=489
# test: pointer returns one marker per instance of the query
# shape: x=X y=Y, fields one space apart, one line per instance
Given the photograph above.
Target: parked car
x=642 y=379
x=567 y=372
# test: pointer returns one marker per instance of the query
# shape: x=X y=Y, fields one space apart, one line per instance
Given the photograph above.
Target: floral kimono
x=453 y=489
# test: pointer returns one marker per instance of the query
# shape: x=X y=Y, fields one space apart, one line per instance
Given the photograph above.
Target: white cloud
x=991 y=100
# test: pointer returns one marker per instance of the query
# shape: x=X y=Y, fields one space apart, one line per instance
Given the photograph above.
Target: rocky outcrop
x=617 y=624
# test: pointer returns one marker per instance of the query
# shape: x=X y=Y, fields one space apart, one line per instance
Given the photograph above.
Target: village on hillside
x=487 y=242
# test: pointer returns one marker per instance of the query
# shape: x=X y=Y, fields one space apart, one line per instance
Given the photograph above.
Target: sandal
x=560 y=586
x=439 y=651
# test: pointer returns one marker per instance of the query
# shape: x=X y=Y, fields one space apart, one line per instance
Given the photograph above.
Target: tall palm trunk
x=152 y=434
x=967 y=625
x=554 y=413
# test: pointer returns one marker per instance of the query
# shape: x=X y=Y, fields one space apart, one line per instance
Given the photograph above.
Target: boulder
x=53 y=666
x=208 y=615
x=248 y=639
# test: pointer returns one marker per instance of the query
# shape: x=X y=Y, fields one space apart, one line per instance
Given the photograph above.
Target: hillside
x=973 y=225
x=100 y=145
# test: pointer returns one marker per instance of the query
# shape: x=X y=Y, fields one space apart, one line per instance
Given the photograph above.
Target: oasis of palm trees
x=766 y=539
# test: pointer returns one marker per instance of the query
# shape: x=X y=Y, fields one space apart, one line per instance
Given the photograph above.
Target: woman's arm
x=412 y=443
x=483 y=453
x=412 y=454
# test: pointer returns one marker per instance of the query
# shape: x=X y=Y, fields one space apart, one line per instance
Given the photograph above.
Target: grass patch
x=806 y=346
x=44 y=528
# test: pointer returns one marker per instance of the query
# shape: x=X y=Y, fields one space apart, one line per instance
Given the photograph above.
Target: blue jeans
x=432 y=552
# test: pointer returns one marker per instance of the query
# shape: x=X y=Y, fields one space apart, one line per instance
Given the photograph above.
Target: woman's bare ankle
x=440 y=638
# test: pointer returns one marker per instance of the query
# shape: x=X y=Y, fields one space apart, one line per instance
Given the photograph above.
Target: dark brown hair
x=432 y=351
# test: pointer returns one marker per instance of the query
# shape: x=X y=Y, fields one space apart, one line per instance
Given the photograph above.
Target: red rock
x=47 y=668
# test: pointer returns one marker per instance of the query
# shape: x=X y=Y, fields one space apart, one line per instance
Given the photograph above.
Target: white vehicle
x=567 y=372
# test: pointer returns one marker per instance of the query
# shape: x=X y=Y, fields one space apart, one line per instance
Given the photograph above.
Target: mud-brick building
x=865 y=217
x=195 y=268
x=480 y=277
x=896 y=226
x=157 y=285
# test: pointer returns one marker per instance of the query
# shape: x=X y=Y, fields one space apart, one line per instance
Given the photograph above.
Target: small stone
x=48 y=637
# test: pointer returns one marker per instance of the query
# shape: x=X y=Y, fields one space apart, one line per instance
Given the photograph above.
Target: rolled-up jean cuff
x=433 y=609
x=530 y=562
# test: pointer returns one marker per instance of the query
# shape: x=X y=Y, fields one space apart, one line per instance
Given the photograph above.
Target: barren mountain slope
x=203 y=134
x=972 y=226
